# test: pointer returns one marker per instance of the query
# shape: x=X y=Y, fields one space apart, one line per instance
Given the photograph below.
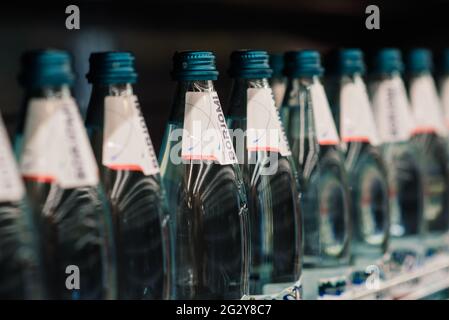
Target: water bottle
x=429 y=135
x=323 y=183
x=269 y=175
x=363 y=161
x=61 y=178
x=20 y=255
x=130 y=175
x=206 y=196
x=278 y=81
x=394 y=124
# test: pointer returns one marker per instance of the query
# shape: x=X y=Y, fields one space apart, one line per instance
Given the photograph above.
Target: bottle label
x=356 y=118
x=391 y=111
x=56 y=147
x=426 y=107
x=445 y=100
x=11 y=186
x=206 y=135
x=126 y=141
x=325 y=129
x=264 y=127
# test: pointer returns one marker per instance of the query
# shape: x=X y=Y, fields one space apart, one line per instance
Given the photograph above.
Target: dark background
x=153 y=30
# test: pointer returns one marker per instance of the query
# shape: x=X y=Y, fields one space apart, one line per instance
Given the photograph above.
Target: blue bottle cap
x=194 y=65
x=111 y=68
x=42 y=68
x=250 y=64
x=388 y=60
x=351 y=61
x=304 y=63
x=420 y=60
x=277 y=64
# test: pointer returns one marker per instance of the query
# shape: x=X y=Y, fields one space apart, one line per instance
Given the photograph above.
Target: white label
x=264 y=127
x=426 y=107
x=445 y=100
x=356 y=117
x=324 y=123
x=206 y=135
x=126 y=141
x=391 y=111
x=56 y=147
x=11 y=186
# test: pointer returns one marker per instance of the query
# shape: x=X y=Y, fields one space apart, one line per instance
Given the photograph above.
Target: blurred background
x=154 y=30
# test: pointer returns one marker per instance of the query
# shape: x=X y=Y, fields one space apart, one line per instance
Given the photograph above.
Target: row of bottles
x=298 y=185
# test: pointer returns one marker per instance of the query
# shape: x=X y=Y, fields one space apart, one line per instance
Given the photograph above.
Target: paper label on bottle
x=56 y=147
x=11 y=185
x=206 y=135
x=426 y=108
x=445 y=100
x=391 y=111
x=278 y=93
x=356 y=117
x=264 y=127
x=325 y=129
x=126 y=142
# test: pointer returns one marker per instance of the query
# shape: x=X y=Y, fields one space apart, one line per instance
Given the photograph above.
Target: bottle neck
x=294 y=93
x=95 y=110
x=60 y=92
x=182 y=87
x=238 y=99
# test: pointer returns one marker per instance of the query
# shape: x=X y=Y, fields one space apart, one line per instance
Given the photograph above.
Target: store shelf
x=426 y=280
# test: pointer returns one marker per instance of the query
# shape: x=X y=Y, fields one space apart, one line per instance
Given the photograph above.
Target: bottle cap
x=420 y=60
x=48 y=67
x=277 y=64
x=302 y=63
x=389 y=60
x=111 y=68
x=350 y=61
x=194 y=65
x=250 y=64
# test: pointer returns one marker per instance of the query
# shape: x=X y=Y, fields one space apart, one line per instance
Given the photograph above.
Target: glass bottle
x=61 y=179
x=206 y=195
x=269 y=175
x=323 y=184
x=130 y=174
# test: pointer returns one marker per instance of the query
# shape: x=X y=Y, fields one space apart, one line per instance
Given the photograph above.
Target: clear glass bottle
x=61 y=179
x=130 y=174
x=20 y=255
x=366 y=170
x=394 y=124
x=278 y=81
x=323 y=184
x=429 y=135
x=269 y=175
x=206 y=195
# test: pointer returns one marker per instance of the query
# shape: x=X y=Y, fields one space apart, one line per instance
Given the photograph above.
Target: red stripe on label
x=356 y=139
x=425 y=130
x=37 y=178
x=328 y=142
x=128 y=167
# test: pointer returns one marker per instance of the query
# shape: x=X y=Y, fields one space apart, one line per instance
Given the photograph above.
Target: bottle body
x=208 y=213
x=137 y=205
x=270 y=180
x=429 y=133
x=395 y=125
x=366 y=170
x=323 y=185
x=73 y=220
x=20 y=256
